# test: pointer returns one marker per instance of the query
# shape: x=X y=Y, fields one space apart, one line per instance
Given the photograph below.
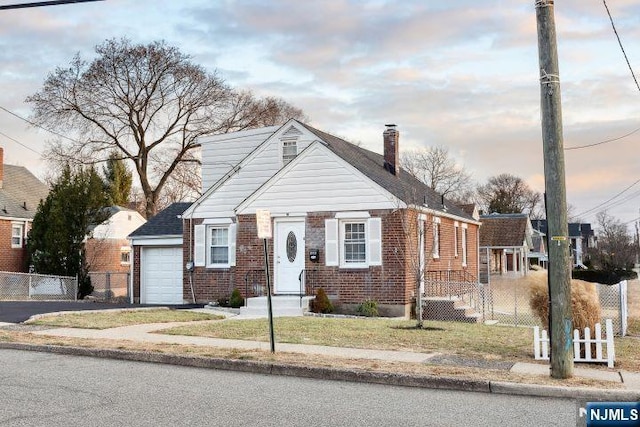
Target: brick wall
x=135 y=258
x=105 y=255
x=11 y=259
x=393 y=283
x=209 y=284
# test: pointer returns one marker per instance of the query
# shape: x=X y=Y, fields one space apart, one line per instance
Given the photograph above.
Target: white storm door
x=289 y=256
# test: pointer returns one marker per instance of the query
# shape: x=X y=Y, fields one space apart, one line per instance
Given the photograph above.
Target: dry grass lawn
x=116 y=318
x=495 y=342
x=310 y=360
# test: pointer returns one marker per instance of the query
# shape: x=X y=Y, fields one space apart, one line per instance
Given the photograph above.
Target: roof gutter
x=427 y=210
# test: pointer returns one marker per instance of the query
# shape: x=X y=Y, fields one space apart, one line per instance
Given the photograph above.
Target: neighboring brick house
x=107 y=246
x=20 y=195
x=505 y=243
x=343 y=218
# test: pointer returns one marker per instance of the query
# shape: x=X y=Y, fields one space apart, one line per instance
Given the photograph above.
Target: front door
x=289 y=256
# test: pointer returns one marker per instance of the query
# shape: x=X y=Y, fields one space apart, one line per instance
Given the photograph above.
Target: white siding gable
x=119 y=225
x=254 y=171
x=319 y=180
x=221 y=152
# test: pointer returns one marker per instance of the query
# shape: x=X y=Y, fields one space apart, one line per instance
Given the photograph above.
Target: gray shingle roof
x=165 y=223
x=21 y=193
x=404 y=186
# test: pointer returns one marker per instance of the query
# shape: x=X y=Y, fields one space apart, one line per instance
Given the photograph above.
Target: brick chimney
x=391 y=156
x=1 y=167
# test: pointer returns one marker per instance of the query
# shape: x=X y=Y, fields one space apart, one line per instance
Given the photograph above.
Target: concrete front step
x=449 y=309
x=282 y=305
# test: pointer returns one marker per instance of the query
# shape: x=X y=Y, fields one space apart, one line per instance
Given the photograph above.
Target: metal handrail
x=301 y=279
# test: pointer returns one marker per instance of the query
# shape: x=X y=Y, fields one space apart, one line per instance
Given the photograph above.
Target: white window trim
x=436 y=238
x=288 y=139
x=207 y=246
x=21 y=227
x=456 y=229
x=464 y=245
x=353 y=215
x=341 y=225
x=125 y=249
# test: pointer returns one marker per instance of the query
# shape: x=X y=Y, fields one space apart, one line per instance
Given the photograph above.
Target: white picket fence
x=541 y=344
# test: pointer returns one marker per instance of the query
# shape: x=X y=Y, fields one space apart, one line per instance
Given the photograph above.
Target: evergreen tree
x=61 y=223
x=118 y=180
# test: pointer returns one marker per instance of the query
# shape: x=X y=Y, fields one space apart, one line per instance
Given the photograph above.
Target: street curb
x=350 y=375
x=588 y=394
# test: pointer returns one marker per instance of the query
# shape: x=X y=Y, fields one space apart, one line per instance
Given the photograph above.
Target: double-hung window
x=436 y=237
x=17 y=231
x=289 y=150
x=456 y=227
x=464 y=245
x=215 y=244
x=218 y=246
x=354 y=242
x=125 y=255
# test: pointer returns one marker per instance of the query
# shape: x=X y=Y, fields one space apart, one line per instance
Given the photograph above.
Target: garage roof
x=166 y=223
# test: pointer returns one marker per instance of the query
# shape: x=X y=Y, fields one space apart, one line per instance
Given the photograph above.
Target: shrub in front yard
x=321 y=303
x=236 y=300
x=368 y=308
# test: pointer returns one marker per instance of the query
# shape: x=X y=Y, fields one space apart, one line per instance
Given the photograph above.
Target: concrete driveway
x=19 y=311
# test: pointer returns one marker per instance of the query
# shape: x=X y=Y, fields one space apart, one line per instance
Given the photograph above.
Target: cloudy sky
x=462 y=74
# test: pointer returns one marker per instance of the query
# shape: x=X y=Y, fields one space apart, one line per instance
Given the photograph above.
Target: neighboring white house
x=107 y=246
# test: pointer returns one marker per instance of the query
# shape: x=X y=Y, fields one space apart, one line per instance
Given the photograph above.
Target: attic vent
x=289 y=141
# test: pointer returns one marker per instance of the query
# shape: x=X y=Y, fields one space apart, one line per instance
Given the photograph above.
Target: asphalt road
x=43 y=389
x=19 y=311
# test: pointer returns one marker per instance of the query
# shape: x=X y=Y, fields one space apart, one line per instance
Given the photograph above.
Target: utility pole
x=554 y=176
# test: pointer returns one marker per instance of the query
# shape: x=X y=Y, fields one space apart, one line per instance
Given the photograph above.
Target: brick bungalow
x=344 y=218
x=20 y=194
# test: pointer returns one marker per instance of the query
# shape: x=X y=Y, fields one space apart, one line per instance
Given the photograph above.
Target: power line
x=20 y=143
x=620 y=43
x=43 y=3
x=607 y=201
x=37 y=125
x=626 y=58
x=602 y=142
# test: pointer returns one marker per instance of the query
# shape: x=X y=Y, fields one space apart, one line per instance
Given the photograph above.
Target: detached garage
x=157 y=264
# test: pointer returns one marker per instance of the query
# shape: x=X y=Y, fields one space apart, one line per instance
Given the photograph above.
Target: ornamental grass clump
x=585 y=304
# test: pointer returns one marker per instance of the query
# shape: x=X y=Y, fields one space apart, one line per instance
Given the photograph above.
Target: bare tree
x=615 y=245
x=506 y=193
x=435 y=167
x=150 y=103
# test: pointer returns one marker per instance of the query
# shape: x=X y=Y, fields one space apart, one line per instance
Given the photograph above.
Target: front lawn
x=383 y=334
x=117 y=318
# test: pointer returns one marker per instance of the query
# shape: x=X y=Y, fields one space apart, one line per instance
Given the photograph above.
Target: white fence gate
x=541 y=345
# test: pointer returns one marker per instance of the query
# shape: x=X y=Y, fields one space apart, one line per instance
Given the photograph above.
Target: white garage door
x=162 y=275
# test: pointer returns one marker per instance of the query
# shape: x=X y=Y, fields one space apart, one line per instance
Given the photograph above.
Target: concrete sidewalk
x=148 y=333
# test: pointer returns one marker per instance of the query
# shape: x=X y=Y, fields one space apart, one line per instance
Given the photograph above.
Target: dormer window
x=289 y=147
x=289 y=151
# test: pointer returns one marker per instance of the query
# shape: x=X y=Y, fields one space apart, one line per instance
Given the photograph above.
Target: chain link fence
x=29 y=286
x=507 y=302
x=110 y=286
